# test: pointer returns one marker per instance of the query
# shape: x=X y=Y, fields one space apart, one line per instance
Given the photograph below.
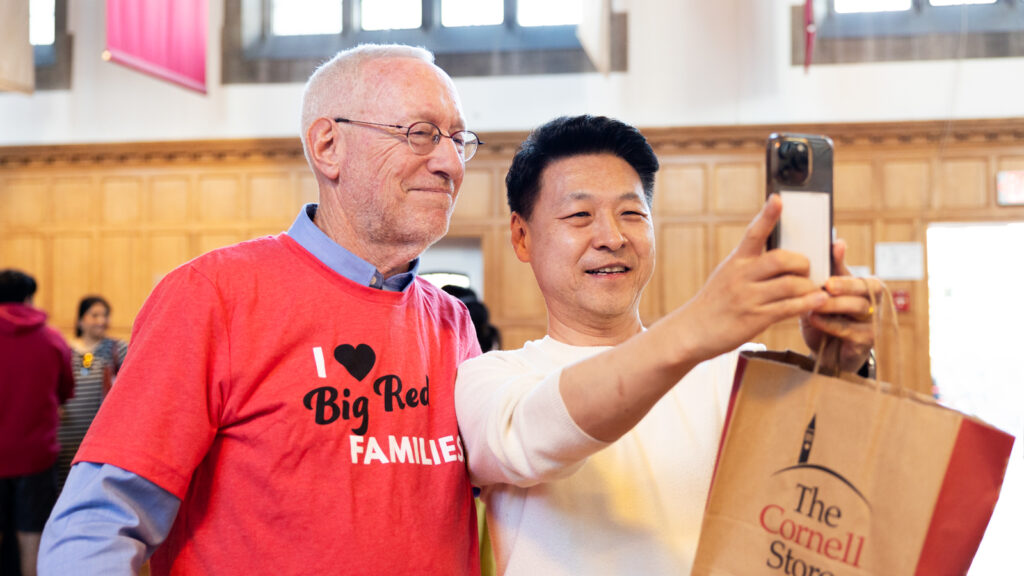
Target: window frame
x=922 y=33
x=923 y=19
x=53 y=61
x=253 y=54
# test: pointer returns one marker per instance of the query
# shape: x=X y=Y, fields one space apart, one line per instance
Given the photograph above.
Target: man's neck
x=595 y=331
x=388 y=260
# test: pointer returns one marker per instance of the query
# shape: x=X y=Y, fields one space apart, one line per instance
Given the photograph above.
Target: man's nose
x=446 y=159
x=608 y=233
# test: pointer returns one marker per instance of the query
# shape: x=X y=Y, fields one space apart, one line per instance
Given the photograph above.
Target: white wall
x=691 y=62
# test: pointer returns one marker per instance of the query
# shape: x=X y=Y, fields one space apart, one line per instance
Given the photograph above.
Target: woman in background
x=95 y=361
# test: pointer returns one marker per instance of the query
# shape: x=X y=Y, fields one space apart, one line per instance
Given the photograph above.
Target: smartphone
x=799 y=170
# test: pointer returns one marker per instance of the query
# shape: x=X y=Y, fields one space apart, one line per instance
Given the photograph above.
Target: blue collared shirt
x=108 y=520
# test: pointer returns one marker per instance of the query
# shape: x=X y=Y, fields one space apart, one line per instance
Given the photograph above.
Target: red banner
x=166 y=39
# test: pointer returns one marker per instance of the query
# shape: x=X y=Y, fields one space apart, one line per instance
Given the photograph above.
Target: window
x=51 y=44
x=283 y=40
x=851 y=31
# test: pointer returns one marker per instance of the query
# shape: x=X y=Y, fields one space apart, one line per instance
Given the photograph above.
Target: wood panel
x=964 y=184
x=119 y=279
x=518 y=295
x=219 y=198
x=271 y=197
x=739 y=187
x=854 y=187
x=905 y=183
x=74 y=200
x=121 y=199
x=475 y=196
x=682 y=260
x=860 y=245
x=143 y=209
x=169 y=199
x=76 y=266
x=25 y=202
x=680 y=190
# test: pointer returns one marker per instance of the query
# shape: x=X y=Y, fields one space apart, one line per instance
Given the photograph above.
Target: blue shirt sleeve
x=106 y=521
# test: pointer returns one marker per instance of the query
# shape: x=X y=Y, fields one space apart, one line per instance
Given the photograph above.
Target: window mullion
x=431 y=14
x=510 y=14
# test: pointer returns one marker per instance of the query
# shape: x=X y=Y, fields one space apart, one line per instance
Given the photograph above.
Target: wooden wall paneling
x=165 y=252
x=964 y=183
x=77 y=265
x=520 y=298
x=213 y=239
x=727 y=238
x=860 y=243
x=854 y=186
x=475 y=196
x=271 y=197
x=25 y=201
x=682 y=263
x=308 y=191
x=27 y=251
x=219 y=199
x=156 y=205
x=738 y=187
x=680 y=190
x=120 y=280
x=906 y=183
x=1009 y=162
x=122 y=200
x=492 y=245
x=75 y=201
x=169 y=199
x=23 y=250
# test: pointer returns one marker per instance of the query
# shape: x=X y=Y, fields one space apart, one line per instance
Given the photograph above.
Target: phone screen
x=805 y=228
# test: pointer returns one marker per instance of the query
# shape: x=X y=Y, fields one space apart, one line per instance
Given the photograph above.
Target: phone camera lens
x=793 y=162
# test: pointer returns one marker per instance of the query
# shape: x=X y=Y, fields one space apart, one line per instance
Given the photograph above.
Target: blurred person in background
x=35 y=379
x=95 y=361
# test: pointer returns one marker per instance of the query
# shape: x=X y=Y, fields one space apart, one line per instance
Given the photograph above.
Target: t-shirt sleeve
x=161 y=418
x=514 y=424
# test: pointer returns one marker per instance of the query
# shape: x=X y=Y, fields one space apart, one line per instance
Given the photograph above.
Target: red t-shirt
x=306 y=422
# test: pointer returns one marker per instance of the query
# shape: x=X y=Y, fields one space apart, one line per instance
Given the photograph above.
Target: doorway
x=976 y=317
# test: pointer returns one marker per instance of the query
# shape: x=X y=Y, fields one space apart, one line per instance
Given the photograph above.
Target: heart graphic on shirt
x=358 y=361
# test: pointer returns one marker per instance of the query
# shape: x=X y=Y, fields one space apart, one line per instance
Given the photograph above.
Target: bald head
x=337 y=86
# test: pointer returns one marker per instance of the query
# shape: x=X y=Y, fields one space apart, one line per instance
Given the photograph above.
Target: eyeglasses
x=423 y=137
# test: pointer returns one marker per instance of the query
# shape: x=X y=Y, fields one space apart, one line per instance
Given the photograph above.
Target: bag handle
x=876 y=314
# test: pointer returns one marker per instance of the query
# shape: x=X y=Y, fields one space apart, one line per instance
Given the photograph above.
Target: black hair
x=487 y=334
x=16 y=286
x=574 y=136
x=83 y=307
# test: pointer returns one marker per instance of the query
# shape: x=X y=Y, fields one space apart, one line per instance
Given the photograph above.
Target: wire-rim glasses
x=423 y=137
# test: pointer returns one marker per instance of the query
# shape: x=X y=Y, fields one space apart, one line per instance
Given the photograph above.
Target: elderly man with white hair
x=287 y=403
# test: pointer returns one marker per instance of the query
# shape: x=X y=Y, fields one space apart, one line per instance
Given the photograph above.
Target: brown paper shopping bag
x=821 y=475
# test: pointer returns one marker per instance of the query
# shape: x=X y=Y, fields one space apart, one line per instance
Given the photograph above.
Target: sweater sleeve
x=514 y=424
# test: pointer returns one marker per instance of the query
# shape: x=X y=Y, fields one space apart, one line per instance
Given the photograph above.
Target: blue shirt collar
x=337 y=258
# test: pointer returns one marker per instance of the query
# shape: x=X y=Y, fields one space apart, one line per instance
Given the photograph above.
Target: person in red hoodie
x=35 y=379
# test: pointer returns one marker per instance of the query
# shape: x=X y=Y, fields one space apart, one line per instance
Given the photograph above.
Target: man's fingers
x=761 y=227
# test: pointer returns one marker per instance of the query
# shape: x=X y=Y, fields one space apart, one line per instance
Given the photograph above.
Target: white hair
x=339 y=79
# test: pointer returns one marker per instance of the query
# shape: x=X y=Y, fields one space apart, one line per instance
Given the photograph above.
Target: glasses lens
x=423 y=136
x=469 y=143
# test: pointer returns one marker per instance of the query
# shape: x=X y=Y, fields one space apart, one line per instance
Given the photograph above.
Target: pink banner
x=166 y=39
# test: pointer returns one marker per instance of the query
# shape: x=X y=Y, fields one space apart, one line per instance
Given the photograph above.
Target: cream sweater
x=561 y=502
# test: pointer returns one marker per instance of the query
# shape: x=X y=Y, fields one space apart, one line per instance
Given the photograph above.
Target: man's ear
x=325 y=151
x=520 y=237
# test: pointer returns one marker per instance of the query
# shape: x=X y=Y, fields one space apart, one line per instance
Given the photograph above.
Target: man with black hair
x=594 y=446
x=35 y=379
